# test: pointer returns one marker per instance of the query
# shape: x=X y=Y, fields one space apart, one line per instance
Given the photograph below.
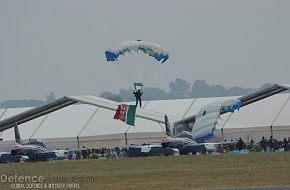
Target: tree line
x=181 y=89
x=178 y=89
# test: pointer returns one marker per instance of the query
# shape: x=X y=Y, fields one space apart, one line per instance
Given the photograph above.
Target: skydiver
x=138 y=93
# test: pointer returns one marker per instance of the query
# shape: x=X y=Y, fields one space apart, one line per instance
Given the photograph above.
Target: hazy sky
x=58 y=46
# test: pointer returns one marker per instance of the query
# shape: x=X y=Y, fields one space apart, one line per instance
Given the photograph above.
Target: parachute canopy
x=231 y=106
x=138 y=85
x=207 y=118
x=205 y=121
x=148 y=48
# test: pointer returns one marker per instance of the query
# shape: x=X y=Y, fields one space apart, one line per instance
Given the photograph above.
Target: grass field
x=180 y=172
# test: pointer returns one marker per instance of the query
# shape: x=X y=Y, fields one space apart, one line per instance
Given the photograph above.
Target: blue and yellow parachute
x=148 y=48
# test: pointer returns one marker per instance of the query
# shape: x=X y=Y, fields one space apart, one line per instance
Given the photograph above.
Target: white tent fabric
x=86 y=120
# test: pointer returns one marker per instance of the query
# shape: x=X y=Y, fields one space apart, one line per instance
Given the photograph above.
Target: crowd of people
x=94 y=153
x=273 y=144
x=265 y=145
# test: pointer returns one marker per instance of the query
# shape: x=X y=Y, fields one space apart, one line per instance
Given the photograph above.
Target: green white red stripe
x=126 y=113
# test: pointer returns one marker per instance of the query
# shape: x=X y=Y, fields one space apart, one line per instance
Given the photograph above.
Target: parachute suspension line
x=153 y=71
x=141 y=65
x=144 y=68
x=124 y=73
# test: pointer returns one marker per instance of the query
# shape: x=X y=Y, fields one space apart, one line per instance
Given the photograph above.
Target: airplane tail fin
x=17 y=134
x=167 y=126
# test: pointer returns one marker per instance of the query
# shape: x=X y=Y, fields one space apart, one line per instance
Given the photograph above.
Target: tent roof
x=175 y=109
x=69 y=100
x=247 y=99
x=88 y=120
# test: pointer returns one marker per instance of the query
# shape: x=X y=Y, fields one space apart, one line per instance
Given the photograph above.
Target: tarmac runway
x=257 y=188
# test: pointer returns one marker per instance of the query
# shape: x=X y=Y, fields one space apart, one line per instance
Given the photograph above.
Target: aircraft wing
x=69 y=100
x=245 y=100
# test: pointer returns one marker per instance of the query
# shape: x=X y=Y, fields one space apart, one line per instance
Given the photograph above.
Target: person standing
x=240 y=144
x=285 y=144
x=263 y=144
x=138 y=95
x=271 y=144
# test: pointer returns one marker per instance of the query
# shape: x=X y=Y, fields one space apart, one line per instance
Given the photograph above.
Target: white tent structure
x=94 y=126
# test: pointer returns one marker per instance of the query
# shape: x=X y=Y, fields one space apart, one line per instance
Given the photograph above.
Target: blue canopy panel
x=205 y=137
x=231 y=106
x=161 y=56
x=111 y=56
x=138 y=84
